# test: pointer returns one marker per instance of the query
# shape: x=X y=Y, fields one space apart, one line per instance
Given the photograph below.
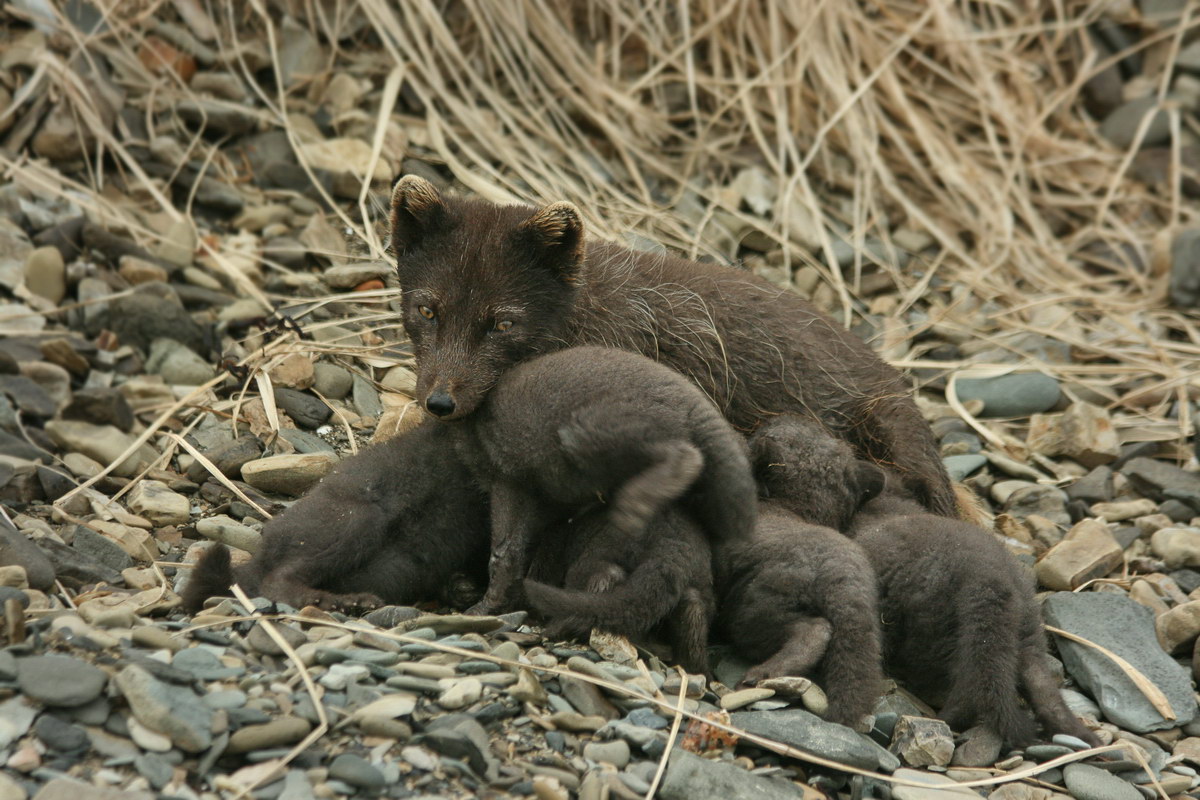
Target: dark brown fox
x=566 y=429
x=960 y=623
x=593 y=575
x=486 y=287
x=390 y=525
x=801 y=599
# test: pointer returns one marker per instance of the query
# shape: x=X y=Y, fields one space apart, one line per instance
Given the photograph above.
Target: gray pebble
x=59 y=680
x=356 y=771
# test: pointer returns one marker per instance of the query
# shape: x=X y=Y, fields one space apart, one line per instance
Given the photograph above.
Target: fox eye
x=426 y=312
x=503 y=325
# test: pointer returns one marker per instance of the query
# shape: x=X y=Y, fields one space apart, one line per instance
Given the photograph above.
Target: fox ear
x=417 y=207
x=555 y=235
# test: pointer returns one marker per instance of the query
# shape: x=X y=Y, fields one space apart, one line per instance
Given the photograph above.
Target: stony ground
x=172 y=375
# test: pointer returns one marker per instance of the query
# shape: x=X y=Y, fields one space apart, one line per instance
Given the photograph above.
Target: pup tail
x=987 y=665
x=211 y=577
x=853 y=664
x=726 y=496
x=630 y=608
x=1041 y=688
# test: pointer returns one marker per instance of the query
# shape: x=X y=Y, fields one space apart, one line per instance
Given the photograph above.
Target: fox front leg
x=517 y=519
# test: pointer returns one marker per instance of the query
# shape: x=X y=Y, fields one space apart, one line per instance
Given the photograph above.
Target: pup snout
x=440 y=403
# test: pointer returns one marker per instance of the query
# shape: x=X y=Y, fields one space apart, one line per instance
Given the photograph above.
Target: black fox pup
x=596 y=576
x=564 y=430
x=390 y=525
x=961 y=625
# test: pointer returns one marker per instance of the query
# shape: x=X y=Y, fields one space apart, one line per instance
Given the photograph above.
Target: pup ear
x=417 y=207
x=554 y=235
x=870 y=481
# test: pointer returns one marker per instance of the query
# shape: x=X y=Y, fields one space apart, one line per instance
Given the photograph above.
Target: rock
x=1087 y=551
x=1123 y=510
x=46 y=274
x=59 y=680
x=17 y=550
x=61 y=736
x=229 y=457
x=104 y=443
x=100 y=548
x=1013 y=395
x=356 y=771
x=177 y=363
x=295 y=371
x=347 y=276
x=1083 y=432
x=307 y=411
x=1162 y=481
x=20 y=318
x=16 y=716
x=1044 y=501
x=615 y=752
x=154 y=501
x=332 y=381
x=1086 y=782
x=922 y=742
x=461 y=736
x=810 y=733
x=1127 y=629
x=225 y=529
x=1121 y=125
x=1185 y=269
x=301 y=56
x=218 y=119
x=689 y=777
x=305 y=442
x=980 y=748
x=276 y=733
x=946 y=788
x=141 y=318
x=291 y=475
x=70 y=789
x=744 y=697
x=137 y=271
x=28 y=396
x=10 y=789
x=1177 y=547
x=1178 y=626
x=345 y=155
x=100 y=406
x=959 y=467
x=171 y=710
x=74 y=568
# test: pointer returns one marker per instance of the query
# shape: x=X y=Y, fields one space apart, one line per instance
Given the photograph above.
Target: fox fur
x=960 y=622
x=390 y=525
x=485 y=287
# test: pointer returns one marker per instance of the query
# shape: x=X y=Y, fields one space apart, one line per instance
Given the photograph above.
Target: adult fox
x=486 y=287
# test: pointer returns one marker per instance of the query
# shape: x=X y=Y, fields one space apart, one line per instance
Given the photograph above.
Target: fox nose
x=440 y=404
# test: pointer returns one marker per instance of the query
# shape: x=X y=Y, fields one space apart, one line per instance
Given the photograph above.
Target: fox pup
x=563 y=430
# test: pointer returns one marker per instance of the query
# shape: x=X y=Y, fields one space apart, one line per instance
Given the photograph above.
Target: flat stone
x=1185 y=269
x=45 y=274
x=291 y=474
x=68 y=789
x=690 y=777
x=744 y=697
x=1124 y=509
x=1047 y=502
x=960 y=466
x=1126 y=628
x=16 y=717
x=229 y=457
x=1013 y=395
x=1122 y=123
x=1177 y=547
x=225 y=529
x=306 y=410
x=615 y=752
x=1161 y=481
x=1087 y=551
x=332 y=381
x=1083 y=432
x=276 y=733
x=101 y=548
x=171 y=710
x=157 y=503
x=177 y=363
x=104 y=443
x=17 y=550
x=356 y=771
x=1178 y=626
x=294 y=371
x=1086 y=782
x=810 y=733
x=100 y=406
x=923 y=742
x=938 y=787
x=141 y=318
x=59 y=680
x=347 y=276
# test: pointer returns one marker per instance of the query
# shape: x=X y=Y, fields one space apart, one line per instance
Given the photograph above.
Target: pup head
x=484 y=287
x=817 y=477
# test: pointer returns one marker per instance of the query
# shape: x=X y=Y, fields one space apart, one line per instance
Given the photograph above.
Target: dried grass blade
x=1151 y=692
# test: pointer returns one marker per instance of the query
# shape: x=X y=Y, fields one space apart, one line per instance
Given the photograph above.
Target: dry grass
x=960 y=122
